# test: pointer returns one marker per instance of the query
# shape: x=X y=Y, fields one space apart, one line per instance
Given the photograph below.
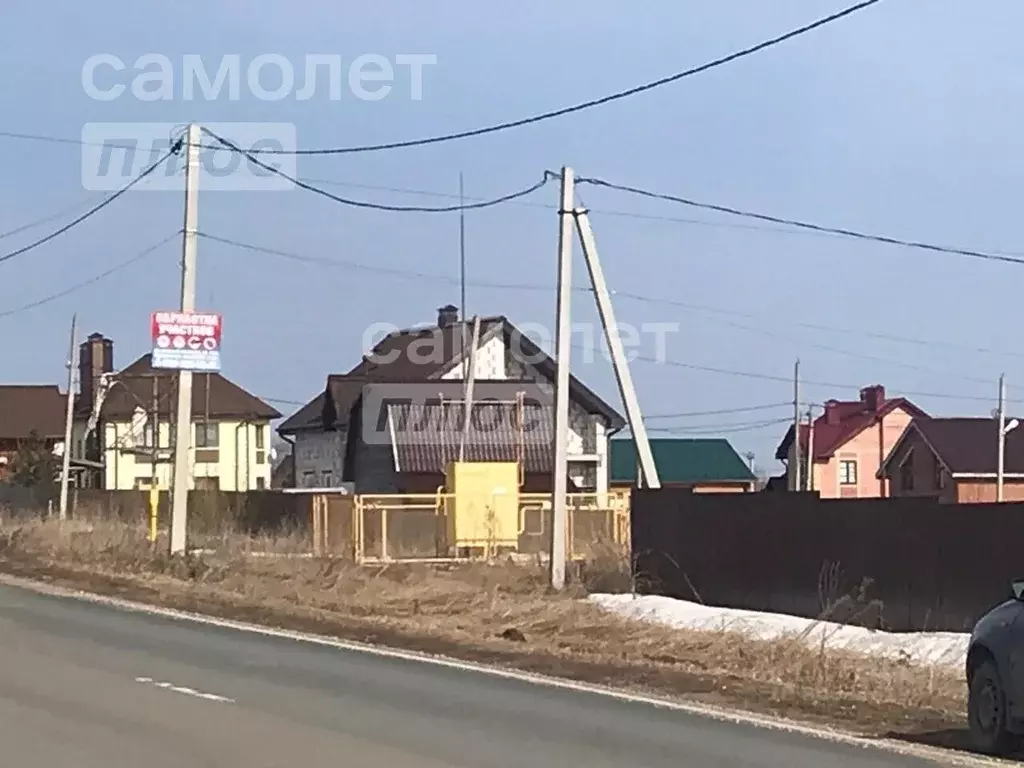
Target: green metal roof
x=682 y=461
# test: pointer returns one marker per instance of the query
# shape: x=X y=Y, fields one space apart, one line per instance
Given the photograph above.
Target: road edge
x=722 y=714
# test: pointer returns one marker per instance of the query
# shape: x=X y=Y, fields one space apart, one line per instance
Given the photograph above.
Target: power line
x=63 y=140
x=734 y=225
x=719 y=412
x=857 y=355
x=46 y=219
x=91 y=212
x=586 y=104
x=721 y=429
x=416 y=275
x=92 y=280
x=789 y=379
x=850 y=233
x=302 y=258
x=819 y=326
x=380 y=206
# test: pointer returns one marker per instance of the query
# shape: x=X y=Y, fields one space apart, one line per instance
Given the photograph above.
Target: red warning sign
x=188 y=341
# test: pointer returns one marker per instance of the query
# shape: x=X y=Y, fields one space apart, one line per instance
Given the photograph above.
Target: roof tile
x=25 y=409
x=426 y=437
x=222 y=400
x=682 y=460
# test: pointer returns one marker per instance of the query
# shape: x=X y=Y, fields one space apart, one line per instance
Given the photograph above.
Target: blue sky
x=902 y=120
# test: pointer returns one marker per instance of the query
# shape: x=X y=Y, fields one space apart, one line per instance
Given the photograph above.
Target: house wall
x=929 y=478
x=489 y=362
x=984 y=491
x=240 y=464
x=587 y=432
x=319 y=458
x=868 y=449
x=374 y=467
x=723 y=488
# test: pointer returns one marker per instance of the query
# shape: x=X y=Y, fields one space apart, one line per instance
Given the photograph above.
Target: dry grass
x=496 y=613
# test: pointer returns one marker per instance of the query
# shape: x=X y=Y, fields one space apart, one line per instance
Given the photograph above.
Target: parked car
x=995 y=677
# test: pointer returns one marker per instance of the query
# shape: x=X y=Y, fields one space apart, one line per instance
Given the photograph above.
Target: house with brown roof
x=955 y=460
x=124 y=422
x=850 y=441
x=30 y=412
x=352 y=433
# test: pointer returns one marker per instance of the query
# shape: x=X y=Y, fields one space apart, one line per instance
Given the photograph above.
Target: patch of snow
x=937 y=648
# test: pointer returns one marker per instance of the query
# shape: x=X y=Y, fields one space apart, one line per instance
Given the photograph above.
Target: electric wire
x=418 y=275
x=91 y=212
x=719 y=412
x=532 y=119
x=380 y=206
x=720 y=429
x=92 y=280
x=47 y=219
x=579 y=107
x=839 y=231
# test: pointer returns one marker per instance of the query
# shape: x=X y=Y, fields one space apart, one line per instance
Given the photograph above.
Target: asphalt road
x=87 y=686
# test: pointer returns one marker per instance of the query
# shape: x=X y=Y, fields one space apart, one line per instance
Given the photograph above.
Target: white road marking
x=182 y=689
x=722 y=714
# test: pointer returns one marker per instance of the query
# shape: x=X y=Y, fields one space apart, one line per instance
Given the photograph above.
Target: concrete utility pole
x=154 y=477
x=183 y=422
x=795 y=469
x=618 y=352
x=69 y=420
x=563 y=340
x=1001 y=460
x=810 y=448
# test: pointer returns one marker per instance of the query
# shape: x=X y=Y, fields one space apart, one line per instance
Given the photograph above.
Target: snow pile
x=945 y=648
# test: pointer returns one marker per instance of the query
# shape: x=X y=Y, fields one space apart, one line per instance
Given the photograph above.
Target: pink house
x=850 y=442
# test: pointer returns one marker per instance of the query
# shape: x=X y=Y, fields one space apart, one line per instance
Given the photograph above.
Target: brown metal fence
x=210 y=512
x=906 y=564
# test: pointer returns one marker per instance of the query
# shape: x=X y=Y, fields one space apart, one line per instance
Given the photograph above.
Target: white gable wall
x=489 y=362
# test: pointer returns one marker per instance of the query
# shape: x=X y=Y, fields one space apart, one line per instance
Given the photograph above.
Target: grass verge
x=499 y=614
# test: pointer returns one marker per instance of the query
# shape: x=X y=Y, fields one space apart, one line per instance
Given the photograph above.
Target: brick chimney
x=873 y=397
x=95 y=357
x=447 y=315
x=832 y=413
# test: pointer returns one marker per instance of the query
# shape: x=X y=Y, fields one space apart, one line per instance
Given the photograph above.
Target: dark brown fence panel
x=905 y=564
x=210 y=512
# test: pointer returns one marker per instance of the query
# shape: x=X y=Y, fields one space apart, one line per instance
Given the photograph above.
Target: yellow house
x=229 y=445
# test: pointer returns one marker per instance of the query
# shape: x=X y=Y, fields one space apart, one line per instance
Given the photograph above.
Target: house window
x=326 y=478
x=261 y=448
x=308 y=479
x=848 y=472
x=207 y=442
x=907 y=476
x=207 y=483
x=208 y=434
x=261 y=484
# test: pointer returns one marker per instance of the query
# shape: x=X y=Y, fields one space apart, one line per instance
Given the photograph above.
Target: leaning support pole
x=619 y=362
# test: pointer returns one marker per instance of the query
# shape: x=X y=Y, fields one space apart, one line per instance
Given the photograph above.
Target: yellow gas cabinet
x=482 y=506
